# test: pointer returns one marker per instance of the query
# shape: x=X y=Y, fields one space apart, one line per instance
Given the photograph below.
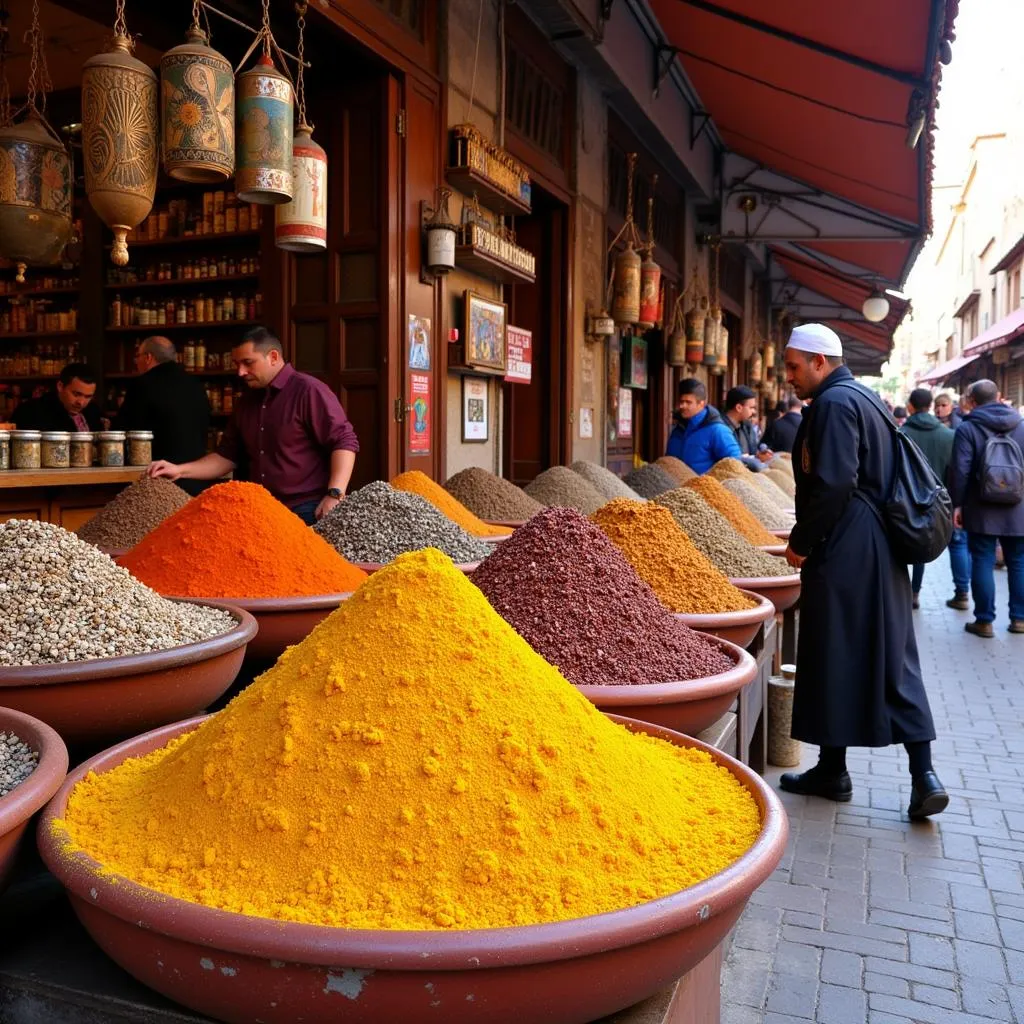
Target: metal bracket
x=663 y=58
x=606 y=10
x=701 y=119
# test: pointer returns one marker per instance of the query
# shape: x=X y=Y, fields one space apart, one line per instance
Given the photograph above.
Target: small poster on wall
x=419 y=414
x=586 y=422
x=419 y=342
x=634 y=363
x=520 y=355
x=475 y=412
x=625 y=412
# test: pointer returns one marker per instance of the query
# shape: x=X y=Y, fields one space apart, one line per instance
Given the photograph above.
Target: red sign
x=519 y=364
x=419 y=414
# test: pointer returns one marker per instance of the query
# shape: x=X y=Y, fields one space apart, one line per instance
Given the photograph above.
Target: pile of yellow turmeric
x=413 y=764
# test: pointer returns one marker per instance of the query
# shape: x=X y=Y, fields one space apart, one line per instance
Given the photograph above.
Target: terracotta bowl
x=115 y=553
x=688 y=706
x=773 y=549
x=495 y=540
x=106 y=699
x=784 y=534
x=738 y=627
x=782 y=591
x=242 y=969
x=21 y=803
x=282 y=621
x=512 y=524
x=372 y=567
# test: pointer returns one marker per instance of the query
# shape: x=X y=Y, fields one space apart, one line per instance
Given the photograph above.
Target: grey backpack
x=1001 y=470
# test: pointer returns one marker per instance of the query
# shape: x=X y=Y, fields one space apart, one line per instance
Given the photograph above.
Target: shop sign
x=520 y=355
x=625 y=412
x=419 y=414
x=634 y=365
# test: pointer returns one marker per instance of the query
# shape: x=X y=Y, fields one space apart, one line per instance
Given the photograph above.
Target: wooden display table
x=67 y=497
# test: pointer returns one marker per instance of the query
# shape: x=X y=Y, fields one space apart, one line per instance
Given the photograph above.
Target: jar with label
x=111 y=447
x=56 y=449
x=26 y=449
x=82 y=450
x=190 y=355
x=200 y=355
x=5 y=450
x=227 y=402
x=140 y=447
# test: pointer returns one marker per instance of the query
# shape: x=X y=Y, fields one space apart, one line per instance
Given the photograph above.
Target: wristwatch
x=334 y=492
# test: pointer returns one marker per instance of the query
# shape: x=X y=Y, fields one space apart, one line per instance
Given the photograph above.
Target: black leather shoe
x=927 y=796
x=814 y=782
x=916 y=603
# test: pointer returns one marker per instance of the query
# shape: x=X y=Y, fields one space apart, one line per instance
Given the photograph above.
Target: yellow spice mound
x=414 y=764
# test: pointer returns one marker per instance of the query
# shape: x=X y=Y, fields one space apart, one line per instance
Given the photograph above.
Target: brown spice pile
x=666 y=560
x=676 y=468
x=745 y=522
x=560 y=486
x=491 y=497
x=133 y=513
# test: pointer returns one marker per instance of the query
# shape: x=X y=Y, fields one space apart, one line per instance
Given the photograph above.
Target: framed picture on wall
x=475 y=409
x=485 y=323
x=634 y=362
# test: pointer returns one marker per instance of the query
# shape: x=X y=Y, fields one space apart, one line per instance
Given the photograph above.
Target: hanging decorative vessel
x=650 y=272
x=626 y=267
x=197 y=101
x=301 y=225
x=712 y=327
x=722 y=361
x=36 y=178
x=756 y=368
x=769 y=356
x=675 y=353
x=263 y=172
x=120 y=134
x=696 y=318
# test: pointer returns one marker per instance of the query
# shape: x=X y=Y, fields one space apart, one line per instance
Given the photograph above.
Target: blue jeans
x=959 y=563
x=983 y=580
x=307 y=511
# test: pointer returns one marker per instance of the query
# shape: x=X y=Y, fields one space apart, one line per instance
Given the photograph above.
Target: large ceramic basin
x=782 y=591
x=738 y=627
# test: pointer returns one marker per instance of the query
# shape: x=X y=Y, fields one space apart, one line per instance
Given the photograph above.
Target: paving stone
x=846 y=943
x=838 y=1005
x=886 y=983
x=912 y=924
x=976 y=927
x=931 y=951
x=839 y=968
x=797 y=997
x=985 y=998
x=976 y=960
x=923 y=1013
x=796 y=960
x=936 y=996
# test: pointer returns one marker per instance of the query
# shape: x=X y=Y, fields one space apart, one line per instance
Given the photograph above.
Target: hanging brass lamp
x=627 y=263
x=650 y=273
x=197 y=99
x=120 y=137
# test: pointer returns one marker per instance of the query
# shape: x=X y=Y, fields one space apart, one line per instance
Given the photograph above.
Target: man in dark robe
x=858 y=681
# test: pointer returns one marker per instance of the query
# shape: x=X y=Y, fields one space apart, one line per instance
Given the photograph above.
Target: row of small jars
x=59 y=449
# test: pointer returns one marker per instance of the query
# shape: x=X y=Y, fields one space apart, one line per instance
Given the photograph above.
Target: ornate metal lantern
x=712 y=327
x=695 y=321
x=626 y=297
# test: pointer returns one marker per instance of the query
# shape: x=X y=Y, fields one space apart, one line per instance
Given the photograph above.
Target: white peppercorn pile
x=604 y=481
x=63 y=600
x=770 y=515
x=772 y=490
x=378 y=523
x=17 y=762
x=491 y=497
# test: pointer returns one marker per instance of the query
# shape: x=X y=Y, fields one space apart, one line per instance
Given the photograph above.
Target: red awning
x=942 y=372
x=1002 y=332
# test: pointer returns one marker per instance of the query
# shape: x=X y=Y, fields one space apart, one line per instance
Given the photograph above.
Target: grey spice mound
x=651 y=480
x=133 y=513
x=491 y=497
x=62 y=600
x=378 y=523
x=560 y=487
x=760 y=504
x=604 y=481
x=17 y=762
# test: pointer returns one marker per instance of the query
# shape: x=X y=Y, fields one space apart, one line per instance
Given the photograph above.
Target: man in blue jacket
x=699 y=438
x=987 y=522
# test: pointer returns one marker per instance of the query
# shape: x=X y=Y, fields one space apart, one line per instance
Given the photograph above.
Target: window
x=408 y=13
x=1013 y=282
x=535 y=104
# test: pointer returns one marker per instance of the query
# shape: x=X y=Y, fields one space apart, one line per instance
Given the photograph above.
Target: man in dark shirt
x=289 y=433
x=740 y=409
x=782 y=433
x=68 y=407
x=169 y=402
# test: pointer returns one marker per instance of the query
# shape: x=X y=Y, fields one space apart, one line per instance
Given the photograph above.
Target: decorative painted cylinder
x=722 y=362
x=677 y=350
x=650 y=293
x=756 y=368
x=769 y=356
x=120 y=140
x=35 y=194
x=301 y=225
x=197 y=99
x=712 y=325
x=263 y=172
x=626 y=296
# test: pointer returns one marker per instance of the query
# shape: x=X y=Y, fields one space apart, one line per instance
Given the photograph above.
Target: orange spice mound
x=667 y=560
x=743 y=520
x=238 y=540
x=419 y=483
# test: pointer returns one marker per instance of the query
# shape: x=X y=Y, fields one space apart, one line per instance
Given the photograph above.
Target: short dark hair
x=834 y=361
x=692 y=386
x=794 y=403
x=921 y=399
x=738 y=395
x=899 y=412
x=983 y=392
x=83 y=371
x=263 y=340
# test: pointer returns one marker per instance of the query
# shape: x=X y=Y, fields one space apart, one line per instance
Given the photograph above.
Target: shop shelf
x=39 y=293
x=475 y=261
x=185 y=240
x=24 y=335
x=182 y=282
x=468 y=181
x=206 y=325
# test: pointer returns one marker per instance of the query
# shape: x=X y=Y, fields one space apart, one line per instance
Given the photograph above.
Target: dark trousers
x=983 y=580
x=959 y=564
x=306 y=511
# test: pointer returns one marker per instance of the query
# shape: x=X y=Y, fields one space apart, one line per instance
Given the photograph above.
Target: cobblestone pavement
x=870 y=918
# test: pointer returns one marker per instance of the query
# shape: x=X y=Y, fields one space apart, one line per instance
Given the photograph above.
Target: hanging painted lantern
x=756 y=368
x=301 y=225
x=695 y=320
x=35 y=194
x=265 y=133
x=650 y=291
x=712 y=325
x=722 y=362
x=626 y=297
x=120 y=135
x=769 y=356
x=677 y=351
x=197 y=100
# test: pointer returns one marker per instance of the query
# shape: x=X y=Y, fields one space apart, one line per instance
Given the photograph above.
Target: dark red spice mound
x=569 y=592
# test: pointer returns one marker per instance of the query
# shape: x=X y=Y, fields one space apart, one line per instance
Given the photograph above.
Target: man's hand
x=326 y=504
x=793 y=558
x=162 y=468
x=958 y=518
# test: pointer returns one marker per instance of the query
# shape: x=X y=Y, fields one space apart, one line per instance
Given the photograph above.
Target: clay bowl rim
x=322 y=945
x=741 y=617
x=268 y=605
x=512 y=524
x=784 y=534
x=38 y=789
x=772 y=549
x=678 y=691
x=371 y=567
x=793 y=579
x=137 y=664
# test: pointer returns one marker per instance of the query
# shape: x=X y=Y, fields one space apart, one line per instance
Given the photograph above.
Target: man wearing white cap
x=858 y=681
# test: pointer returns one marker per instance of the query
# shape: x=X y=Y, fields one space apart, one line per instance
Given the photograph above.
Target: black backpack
x=918 y=512
x=1001 y=469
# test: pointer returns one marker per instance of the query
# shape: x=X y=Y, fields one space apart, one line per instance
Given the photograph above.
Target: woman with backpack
x=986 y=482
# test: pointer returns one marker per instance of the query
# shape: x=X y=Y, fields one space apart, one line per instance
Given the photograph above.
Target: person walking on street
x=700 y=438
x=946 y=412
x=987 y=487
x=782 y=433
x=858 y=677
x=936 y=441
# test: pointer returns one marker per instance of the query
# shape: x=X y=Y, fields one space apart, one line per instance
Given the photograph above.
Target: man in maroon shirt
x=289 y=433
